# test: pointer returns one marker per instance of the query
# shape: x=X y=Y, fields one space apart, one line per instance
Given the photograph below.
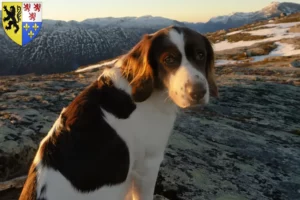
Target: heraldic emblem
x=22 y=21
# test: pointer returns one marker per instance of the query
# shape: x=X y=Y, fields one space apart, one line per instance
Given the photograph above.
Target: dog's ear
x=210 y=69
x=137 y=70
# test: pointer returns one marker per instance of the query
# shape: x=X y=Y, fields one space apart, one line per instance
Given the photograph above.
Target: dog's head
x=175 y=59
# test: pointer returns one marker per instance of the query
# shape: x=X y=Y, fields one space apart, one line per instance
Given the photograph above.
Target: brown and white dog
x=115 y=132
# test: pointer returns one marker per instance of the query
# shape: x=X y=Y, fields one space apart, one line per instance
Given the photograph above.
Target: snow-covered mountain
x=237 y=19
x=63 y=46
x=146 y=21
x=272 y=10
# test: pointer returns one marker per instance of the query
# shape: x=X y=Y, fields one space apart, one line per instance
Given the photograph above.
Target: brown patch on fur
x=79 y=144
x=137 y=70
x=76 y=113
x=29 y=189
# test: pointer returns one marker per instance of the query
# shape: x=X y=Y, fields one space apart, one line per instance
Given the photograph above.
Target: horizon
x=183 y=10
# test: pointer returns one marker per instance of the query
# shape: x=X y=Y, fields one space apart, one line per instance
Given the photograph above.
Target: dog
x=109 y=142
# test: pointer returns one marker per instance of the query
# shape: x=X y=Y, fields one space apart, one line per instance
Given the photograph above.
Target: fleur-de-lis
x=35 y=26
x=31 y=34
x=26 y=27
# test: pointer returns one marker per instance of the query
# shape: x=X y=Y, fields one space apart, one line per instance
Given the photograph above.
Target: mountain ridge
x=216 y=23
x=237 y=19
x=63 y=46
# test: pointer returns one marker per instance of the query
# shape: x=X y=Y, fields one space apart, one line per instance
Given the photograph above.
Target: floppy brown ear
x=210 y=69
x=137 y=70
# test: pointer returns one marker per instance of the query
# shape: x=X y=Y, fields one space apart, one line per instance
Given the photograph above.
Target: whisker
x=167 y=98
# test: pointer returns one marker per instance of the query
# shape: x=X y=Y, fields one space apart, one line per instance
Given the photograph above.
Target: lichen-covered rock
x=28 y=109
x=240 y=147
x=245 y=145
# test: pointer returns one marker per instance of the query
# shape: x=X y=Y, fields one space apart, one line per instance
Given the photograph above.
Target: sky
x=181 y=10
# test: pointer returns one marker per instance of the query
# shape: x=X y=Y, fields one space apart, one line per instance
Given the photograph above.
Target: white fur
x=119 y=81
x=185 y=73
x=146 y=134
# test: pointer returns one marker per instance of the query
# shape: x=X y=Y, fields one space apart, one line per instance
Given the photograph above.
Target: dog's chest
x=148 y=128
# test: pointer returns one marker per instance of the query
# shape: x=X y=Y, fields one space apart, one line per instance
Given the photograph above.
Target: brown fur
x=137 y=70
x=29 y=188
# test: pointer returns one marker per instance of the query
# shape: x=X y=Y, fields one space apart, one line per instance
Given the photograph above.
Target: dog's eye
x=169 y=60
x=199 y=55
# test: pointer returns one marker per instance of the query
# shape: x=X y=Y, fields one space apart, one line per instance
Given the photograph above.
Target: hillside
x=64 y=46
x=236 y=19
x=251 y=43
x=245 y=145
x=258 y=42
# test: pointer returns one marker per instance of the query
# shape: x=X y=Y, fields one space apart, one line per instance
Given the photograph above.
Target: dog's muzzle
x=195 y=92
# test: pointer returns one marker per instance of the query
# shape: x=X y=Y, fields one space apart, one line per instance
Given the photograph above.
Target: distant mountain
x=240 y=18
x=147 y=21
x=63 y=46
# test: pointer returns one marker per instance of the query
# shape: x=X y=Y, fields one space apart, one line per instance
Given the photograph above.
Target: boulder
x=295 y=63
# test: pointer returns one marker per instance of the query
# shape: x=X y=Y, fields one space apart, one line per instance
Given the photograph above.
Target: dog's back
x=82 y=152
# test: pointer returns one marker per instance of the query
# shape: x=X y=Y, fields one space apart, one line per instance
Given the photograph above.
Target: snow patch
x=234 y=32
x=283 y=49
x=220 y=19
x=225 y=62
x=279 y=31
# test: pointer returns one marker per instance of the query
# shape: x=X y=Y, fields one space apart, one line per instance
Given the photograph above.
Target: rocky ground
x=245 y=145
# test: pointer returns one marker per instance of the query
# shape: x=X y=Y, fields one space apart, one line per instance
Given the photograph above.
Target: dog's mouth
x=186 y=102
x=195 y=103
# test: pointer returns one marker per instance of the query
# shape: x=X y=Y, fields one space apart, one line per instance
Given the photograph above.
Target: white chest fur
x=147 y=130
x=146 y=133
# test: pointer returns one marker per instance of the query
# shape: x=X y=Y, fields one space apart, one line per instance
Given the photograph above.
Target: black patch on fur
x=115 y=101
x=136 y=54
x=178 y=29
x=87 y=150
x=42 y=195
x=161 y=44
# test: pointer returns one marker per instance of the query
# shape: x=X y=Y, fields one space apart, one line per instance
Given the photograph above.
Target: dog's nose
x=195 y=91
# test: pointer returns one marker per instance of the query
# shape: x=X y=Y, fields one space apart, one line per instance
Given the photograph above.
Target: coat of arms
x=22 y=21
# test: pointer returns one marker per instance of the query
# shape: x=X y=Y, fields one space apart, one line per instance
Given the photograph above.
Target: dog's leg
x=145 y=176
